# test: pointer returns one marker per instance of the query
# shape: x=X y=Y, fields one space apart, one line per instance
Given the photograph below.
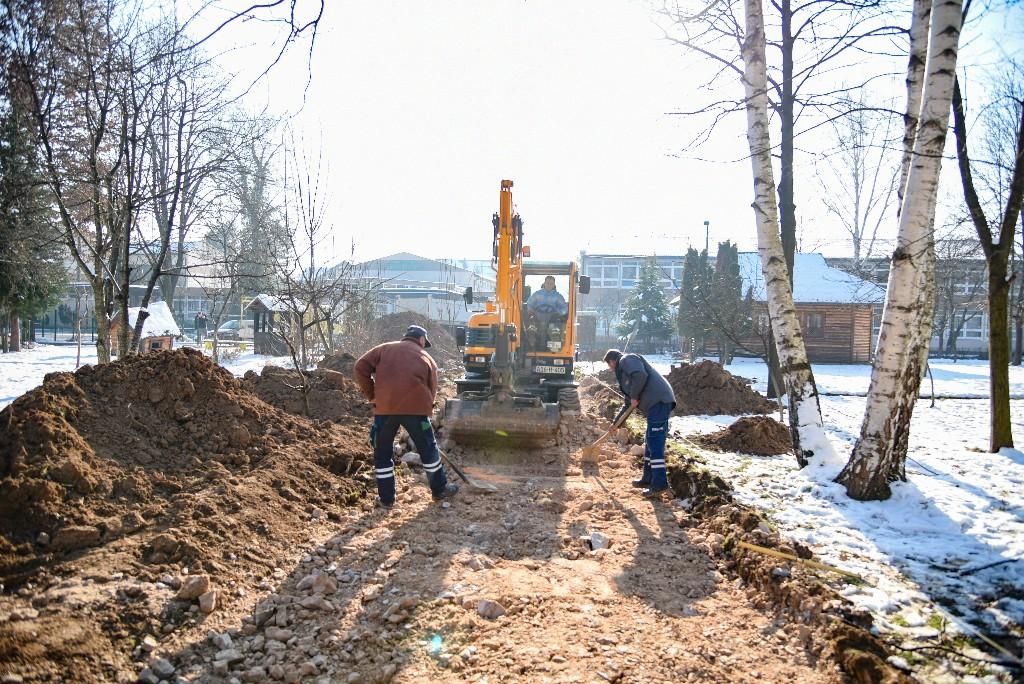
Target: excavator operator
x=547 y=307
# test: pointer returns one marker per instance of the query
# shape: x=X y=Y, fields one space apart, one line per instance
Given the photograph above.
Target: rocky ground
x=564 y=573
x=560 y=575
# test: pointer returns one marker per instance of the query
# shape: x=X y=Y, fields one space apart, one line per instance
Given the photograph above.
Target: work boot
x=642 y=482
x=655 y=491
x=448 y=492
x=386 y=507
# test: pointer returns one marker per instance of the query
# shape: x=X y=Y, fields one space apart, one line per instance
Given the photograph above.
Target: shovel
x=473 y=484
x=588 y=453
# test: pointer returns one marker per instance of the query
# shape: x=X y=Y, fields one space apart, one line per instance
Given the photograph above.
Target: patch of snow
x=23 y=371
x=924 y=551
x=159 y=322
x=813 y=281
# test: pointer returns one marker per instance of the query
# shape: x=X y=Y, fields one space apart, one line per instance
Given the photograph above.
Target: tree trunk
x=775 y=383
x=919 y=26
x=805 y=413
x=1018 y=347
x=15 y=324
x=787 y=204
x=99 y=290
x=879 y=455
x=997 y=256
x=999 y=353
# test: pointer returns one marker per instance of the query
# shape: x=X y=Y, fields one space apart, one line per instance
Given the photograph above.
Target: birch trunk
x=919 y=26
x=880 y=453
x=804 y=414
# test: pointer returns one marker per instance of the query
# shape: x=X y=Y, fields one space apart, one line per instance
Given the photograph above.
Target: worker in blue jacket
x=646 y=389
x=546 y=316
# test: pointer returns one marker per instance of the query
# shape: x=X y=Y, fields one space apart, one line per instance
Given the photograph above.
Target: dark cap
x=415 y=332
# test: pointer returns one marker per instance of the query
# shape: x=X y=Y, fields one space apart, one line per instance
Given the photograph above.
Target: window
x=814 y=325
x=763 y=322
x=611 y=276
x=628 y=276
x=974 y=327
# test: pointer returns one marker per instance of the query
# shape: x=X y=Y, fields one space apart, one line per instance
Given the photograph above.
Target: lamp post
x=707 y=235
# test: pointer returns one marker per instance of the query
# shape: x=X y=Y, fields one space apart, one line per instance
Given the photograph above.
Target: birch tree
x=879 y=456
x=805 y=421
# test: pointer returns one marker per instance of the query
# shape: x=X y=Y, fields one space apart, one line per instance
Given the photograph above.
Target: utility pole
x=707 y=235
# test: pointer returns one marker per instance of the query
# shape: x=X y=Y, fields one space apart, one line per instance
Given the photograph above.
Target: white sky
x=422 y=109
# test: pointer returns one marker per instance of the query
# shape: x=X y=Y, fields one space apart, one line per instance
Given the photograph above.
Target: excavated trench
x=562 y=574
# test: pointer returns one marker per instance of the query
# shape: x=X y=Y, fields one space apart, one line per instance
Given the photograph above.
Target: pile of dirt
x=169 y=454
x=333 y=394
x=758 y=435
x=705 y=388
x=341 y=362
x=724 y=525
x=393 y=326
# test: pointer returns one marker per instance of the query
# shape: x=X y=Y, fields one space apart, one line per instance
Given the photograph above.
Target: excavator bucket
x=518 y=422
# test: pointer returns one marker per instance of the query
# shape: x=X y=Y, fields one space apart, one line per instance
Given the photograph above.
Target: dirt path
x=505 y=587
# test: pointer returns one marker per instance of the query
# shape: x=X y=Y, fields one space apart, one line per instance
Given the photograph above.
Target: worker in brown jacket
x=400 y=379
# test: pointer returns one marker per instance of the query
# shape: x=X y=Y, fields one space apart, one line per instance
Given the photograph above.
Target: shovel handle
x=457 y=469
x=615 y=426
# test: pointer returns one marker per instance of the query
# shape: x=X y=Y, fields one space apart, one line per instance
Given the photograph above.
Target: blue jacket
x=638 y=380
x=547 y=301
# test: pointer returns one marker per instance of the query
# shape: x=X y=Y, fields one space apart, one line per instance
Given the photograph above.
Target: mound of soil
x=707 y=389
x=167 y=451
x=759 y=435
x=391 y=327
x=342 y=362
x=333 y=394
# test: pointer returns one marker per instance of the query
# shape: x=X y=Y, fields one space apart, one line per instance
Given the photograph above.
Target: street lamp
x=707 y=234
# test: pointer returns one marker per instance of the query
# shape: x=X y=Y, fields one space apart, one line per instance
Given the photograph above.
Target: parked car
x=235 y=330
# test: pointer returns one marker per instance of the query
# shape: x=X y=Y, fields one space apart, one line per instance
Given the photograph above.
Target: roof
x=267 y=302
x=546 y=267
x=159 y=323
x=813 y=281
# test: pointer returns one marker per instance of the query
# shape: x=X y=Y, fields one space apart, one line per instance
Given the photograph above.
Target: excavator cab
x=519 y=352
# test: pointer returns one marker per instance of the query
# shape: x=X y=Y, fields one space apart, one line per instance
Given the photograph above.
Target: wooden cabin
x=268 y=314
x=158 y=330
x=835 y=309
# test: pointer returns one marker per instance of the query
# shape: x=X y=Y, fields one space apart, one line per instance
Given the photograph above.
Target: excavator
x=519 y=359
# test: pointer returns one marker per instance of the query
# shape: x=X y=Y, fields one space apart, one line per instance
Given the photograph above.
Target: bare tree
x=858 y=177
x=959 y=287
x=310 y=295
x=997 y=247
x=879 y=455
x=805 y=422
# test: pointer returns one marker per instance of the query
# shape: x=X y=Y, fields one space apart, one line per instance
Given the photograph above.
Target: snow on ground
x=923 y=552
x=24 y=370
x=963 y=378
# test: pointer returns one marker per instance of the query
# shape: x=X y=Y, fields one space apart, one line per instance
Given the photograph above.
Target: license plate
x=549 y=369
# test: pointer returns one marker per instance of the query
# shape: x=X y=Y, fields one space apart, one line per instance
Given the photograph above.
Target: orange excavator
x=519 y=359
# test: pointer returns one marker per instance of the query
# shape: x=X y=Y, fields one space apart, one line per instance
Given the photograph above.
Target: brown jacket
x=404 y=381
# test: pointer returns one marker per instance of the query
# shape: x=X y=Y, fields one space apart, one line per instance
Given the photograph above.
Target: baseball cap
x=417 y=331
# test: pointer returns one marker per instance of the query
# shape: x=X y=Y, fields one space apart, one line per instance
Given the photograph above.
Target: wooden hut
x=158 y=330
x=268 y=315
x=834 y=307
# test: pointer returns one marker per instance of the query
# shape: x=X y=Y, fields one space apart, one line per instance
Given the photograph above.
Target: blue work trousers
x=383 y=438
x=654 y=444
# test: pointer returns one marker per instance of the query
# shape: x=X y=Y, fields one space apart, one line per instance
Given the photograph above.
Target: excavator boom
x=494 y=406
